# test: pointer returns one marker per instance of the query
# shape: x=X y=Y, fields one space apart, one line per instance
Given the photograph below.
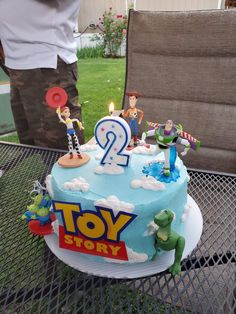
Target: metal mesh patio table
x=33 y=280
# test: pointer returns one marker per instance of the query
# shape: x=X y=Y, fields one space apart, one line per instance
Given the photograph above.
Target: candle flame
x=111 y=107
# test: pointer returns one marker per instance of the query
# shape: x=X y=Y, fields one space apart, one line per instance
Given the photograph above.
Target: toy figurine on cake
x=167 y=136
x=38 y=215
x=167 y=239
x=56 y=97
x=110 y=210
x=64 y=117
x=134 y=115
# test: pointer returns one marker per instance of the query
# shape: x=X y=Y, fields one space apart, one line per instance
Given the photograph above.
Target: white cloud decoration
x=77 y=184
x=133 y=257
x=186 y=212
x=48 y=183
x=147 y=183
x=143 y=150
x=109 y=169
x=88 y=147
x=115 y=204
x=151 y=229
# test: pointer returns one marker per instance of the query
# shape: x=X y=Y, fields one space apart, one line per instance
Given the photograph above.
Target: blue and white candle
x=113 y=136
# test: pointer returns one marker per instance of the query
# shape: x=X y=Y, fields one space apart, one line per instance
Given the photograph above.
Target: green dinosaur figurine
x=167 y=239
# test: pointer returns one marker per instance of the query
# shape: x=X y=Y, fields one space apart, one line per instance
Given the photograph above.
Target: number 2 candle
x=113 y=136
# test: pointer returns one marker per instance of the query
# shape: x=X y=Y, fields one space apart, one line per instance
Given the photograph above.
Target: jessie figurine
x=64 y=116
x=134 y=115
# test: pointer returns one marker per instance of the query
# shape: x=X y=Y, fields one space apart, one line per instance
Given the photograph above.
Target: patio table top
x=33 y=280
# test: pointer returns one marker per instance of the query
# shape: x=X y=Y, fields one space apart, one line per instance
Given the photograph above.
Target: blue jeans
x=133 y=124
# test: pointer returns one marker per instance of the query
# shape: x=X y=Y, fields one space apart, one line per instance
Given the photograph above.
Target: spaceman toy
x=167 y=136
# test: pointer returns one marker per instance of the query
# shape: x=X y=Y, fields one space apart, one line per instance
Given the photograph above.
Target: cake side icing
x=89 y=189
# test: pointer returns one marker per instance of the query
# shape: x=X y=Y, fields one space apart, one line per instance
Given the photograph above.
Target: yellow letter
x=67 y=210
x=102 y=248
x=68 y=239
x=114 y=249
x=90 y=225
x=78 y=241
x=120 y=222
x=89 y=245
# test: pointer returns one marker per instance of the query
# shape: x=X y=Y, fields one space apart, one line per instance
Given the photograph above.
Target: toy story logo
x=93 y=232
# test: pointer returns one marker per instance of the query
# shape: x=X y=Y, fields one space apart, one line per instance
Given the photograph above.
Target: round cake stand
x=193 y=231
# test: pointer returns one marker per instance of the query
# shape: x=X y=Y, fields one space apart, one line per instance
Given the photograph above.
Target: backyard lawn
x=100 y=82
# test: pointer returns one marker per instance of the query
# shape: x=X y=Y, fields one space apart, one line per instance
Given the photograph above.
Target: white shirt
x=35 y=32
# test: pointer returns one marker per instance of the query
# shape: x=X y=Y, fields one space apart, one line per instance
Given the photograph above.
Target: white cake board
x=192 y=234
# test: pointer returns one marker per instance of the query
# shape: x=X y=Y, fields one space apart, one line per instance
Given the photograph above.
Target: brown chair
x=184 y=65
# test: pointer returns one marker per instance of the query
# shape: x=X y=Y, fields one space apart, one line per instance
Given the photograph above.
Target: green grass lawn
x=100 y=82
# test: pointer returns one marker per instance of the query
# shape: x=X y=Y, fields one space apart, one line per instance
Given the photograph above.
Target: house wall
x=91 y=10
x=176 y=5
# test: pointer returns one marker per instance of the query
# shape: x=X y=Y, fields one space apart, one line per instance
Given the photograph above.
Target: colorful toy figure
x=134 y=115
x=64 y=116
x=38 y=213
x=167 y=239
x=39 y=210
x=167 y=136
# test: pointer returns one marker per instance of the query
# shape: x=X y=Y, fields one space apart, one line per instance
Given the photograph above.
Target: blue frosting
x=147 y=203
x=155 y=169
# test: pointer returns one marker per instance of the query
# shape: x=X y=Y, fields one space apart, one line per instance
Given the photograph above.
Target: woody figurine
x=134 y=115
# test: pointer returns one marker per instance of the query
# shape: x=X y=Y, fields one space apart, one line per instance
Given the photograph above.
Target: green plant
x=90 y=52
x=113 y=29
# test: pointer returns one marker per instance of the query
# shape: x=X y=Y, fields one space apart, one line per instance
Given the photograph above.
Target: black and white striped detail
x=70 y=143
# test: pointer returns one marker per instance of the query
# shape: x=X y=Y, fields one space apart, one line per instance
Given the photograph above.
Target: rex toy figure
x=167 y=239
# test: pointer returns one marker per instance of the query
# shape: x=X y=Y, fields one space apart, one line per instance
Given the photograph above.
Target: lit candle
x=113 y=136
x=111 y=108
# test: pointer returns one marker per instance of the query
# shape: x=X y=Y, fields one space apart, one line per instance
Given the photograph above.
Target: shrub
x=90 y=52
x=113 y=29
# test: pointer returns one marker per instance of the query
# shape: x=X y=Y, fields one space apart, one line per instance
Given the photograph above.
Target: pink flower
x=124 y=31
x=119 y=16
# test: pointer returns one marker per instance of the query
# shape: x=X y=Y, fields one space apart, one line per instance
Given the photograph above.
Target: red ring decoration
x=56 y=97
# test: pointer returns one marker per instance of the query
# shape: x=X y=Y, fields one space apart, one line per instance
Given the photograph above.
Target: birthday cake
x=108 y=213
x=114 y=202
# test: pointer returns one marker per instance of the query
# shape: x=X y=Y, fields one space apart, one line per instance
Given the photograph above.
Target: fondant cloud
x=186 y=212
x=109 y=169
x=99 y=156
x=55 y=227
x=147 y=183
x=143 y=150
x=151 y=229
x=115 y=204
x=48 y=183
x=133 y=257
x=88 y=147
x=77 y=184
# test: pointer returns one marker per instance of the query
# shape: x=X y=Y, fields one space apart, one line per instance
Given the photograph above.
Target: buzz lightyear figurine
x=167 y=136
x=64 y=117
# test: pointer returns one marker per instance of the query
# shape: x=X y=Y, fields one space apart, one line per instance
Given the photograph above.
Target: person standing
x=40 y=52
